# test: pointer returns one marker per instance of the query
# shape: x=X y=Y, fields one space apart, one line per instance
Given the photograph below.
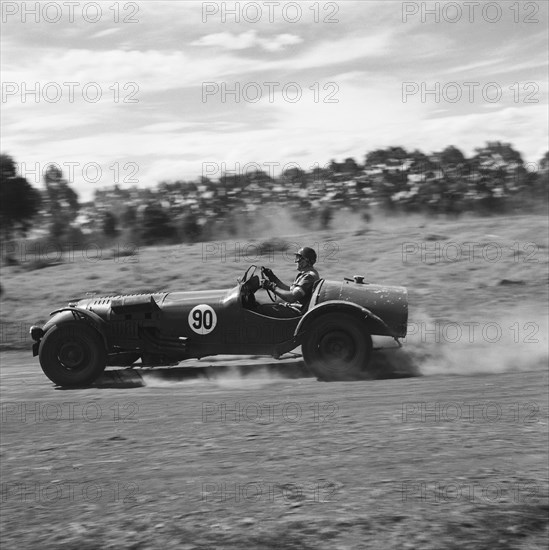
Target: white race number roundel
x=202 y=319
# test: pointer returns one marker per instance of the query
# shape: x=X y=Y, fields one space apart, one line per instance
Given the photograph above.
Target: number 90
x=202 y=319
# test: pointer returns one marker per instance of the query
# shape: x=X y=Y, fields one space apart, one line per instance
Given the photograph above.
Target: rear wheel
x=72 y=355
x=337 y=347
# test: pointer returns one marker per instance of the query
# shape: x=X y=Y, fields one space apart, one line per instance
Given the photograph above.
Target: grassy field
x=471 y=281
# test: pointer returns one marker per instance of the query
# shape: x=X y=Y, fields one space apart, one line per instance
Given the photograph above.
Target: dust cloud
x=231 y=377
x=516 y=342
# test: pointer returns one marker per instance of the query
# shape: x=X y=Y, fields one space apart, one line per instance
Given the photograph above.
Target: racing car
x=334 y=329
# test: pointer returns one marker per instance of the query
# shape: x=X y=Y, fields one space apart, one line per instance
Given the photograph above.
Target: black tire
x=337 y=347
x=72 y=355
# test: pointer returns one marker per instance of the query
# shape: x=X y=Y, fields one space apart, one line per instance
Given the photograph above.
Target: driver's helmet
x=307 y=253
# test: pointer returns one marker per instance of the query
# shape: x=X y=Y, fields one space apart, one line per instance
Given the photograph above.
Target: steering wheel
x=270 y=294
x=249 y=283
x=247 y=275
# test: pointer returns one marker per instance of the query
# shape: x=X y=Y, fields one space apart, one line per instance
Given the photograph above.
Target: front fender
x=72 y=315
x=375 y=324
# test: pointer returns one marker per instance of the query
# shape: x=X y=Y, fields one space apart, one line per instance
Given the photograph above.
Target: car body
x=334 y=328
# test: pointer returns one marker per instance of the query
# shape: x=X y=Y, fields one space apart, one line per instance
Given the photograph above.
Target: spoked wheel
x=338 y=347
x=72 y=355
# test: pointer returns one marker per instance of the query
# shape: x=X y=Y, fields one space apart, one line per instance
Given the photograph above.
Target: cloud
x=106 y=32
x=248 y=39
x=518 y=125
x=338 y=52
x=161 y=70
x=280 y=41
x=151 y=70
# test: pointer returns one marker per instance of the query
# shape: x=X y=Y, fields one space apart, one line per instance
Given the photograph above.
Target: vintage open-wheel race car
x=334 y=329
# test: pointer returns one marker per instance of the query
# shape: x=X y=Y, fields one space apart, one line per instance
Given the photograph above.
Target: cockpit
x=269 y=305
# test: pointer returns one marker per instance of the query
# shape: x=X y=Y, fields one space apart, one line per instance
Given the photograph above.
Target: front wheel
x=337 y=347
x=72 y=355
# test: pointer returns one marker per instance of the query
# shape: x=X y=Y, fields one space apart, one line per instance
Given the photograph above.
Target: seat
x=310 y=302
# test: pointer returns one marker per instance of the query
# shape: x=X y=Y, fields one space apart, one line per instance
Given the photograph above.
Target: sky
x=134 y=93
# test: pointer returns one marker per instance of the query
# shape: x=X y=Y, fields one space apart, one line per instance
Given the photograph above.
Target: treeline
x=494 y=180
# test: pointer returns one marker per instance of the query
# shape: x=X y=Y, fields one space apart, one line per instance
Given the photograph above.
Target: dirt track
x=267 y=462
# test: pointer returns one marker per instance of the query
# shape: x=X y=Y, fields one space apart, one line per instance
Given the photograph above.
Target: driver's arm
x=268 y=273
x=281 y=286
x=289 y=295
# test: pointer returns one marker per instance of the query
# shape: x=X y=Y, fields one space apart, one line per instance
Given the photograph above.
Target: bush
x=190 y=229
x=156 y=225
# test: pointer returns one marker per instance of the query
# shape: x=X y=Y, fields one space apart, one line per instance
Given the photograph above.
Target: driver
x=301 y=290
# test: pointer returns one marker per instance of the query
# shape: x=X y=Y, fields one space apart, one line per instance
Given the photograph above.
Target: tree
x=295 y=175
x=156 y=224
x=420 y=163
x=62 y=202
x=350 y=166
x=110 y=224
x=190 y=228
x=398 y=153
x=326 y=216
x=206 y=181
x=498 y=151
x=261 y=178
x=231 y=181
x=19 y=201
x=451 y=156
x=544 y=162
x=378 y=156
x=129 y=216
x=539 y=180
